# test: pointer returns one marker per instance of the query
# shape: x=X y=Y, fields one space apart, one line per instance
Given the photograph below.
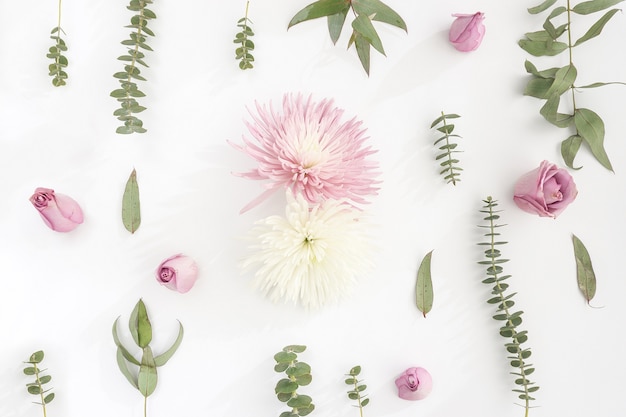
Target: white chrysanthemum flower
x=311 y=256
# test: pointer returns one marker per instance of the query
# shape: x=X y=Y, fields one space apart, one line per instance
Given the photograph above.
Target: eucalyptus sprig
x=553 y=84
x=449 y=163
x=298 y=374
x=246 y=46
x=129 y=91
x=145 y=380
x=511 y=320
x=57 y=69
x=364 y=35
x=357 y=391
x=37 y=387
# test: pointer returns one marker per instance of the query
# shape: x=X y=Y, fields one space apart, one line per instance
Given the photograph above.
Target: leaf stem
x=445 y=125
x=41 y=392
x=570 y=48
x=145 y=406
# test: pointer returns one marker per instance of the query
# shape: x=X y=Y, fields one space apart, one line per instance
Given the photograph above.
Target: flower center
x=413 y=382
x=166 y=274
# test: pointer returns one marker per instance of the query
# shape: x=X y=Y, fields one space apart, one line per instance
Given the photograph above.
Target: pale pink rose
x=414 y=384
x=467 y=31
x=60 y=212
x=545 y=191
x=178 y=273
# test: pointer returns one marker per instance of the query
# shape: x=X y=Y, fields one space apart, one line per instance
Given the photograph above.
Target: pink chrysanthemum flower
x=308 y=149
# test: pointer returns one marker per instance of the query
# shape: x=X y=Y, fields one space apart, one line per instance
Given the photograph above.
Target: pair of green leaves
x=297 y=374
x=243 y=53
x=550 y=84
x=357 y=392
x=131 y=208
x=128 y=92
x=37 y=387
x=57 y=69
x=511 y=320
x=451 y=170
x=364 y=35
x=145 y=380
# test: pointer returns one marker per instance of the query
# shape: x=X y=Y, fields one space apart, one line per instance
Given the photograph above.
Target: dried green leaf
x=363 y=50
x=36 y=357
x=424 y=286
x=563 y=80
x=588 y=7
x=48 y=398
x=319 y=9
x=569 y=149
x=162 y=359
x=139 y=325
x=131 y=213
x=542 y=47
x=591 y=128
x=147 y=377
x=540 y=8
x=597 y=27
x=584 y=270
x=121 y=364
x=335 y=24
x=363 y=26
x=379 y=11
x=285 y=386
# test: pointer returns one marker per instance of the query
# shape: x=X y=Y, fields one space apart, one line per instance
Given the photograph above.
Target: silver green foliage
x=364 y=35
x=424 y=295
x=57 y=68
x=128 y=92
x=449 y=163
x=145 y=379
x=243 y=53
x=503 y=299
x=585 y=276
x=552 y=84
x=357 y=393
x=37 y=387
x=297 y=374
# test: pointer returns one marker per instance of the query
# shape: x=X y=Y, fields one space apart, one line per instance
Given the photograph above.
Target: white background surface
x=62 y=292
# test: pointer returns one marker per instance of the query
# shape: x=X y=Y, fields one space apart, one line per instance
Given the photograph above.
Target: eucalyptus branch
x=37 y=387
x=57 y=69
x=512 y=319
x=364 y=35
x=129 y=91
x=449 y=164
x=145 y=380
x=298 y=374
x=246 y=46
x=553 y=83
x=356 y=393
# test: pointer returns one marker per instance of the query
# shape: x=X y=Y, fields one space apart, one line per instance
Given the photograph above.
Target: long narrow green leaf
x=591 y=128
x=127 y=355
x=362 y=49
x=318 y=9
x=584 y=270
x=569 y=149
x=600 y=84
x=540 y=8
x=563 y=80
x=597 y=27
x=335 y=24
x=147 y=378
x=379 y=11
x=363 y=25
x=121 y=363
x=131 y=210
x=588 y=7
x=424 y=286
x=162 y=359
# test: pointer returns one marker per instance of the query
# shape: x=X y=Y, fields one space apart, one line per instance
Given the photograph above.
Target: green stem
x=358 y=395
x=43 y=404
x=570 y=48
x=448 y=152
x=493 y=267
x=145 y=406
x=133 y=62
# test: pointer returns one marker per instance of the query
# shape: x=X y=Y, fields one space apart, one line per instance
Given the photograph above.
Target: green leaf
x=300 y=401
x=304 y=379
x=542 y=48
x=36 y=357
x=30 y=370
x=48 y=398
x=584 y=270
x=294 y=348
x=131 y=213
x=162 y=359
x=355 y=370
x=362 y=50
x=365 y=402
x=147 y=378
x=379 y=11
x=543 y=6
x=121 y=364
x=597 y=27
x=34 y=389
x=538 y=87
x=45 y=379
x=139 y=325
x=591 y=128
x=599 y=84
x=588 y=7
x=442 y=117
x=335 y=24
x=563 y=80
x=424 y=286
x=285 y=386
x=363 y=26
x=285 y=357
x=319 y=9
x=569 y=149
x=299 y=369
x=306 y=411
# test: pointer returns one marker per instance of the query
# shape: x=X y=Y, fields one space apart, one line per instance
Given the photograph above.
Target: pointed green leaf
x=121 y=363
x=543 y=6
x=363 y=25
x=335 y=24
x=355 y=370
x=34 y=389
x=48 y=398
x=542 y=48
x=599 y=84
x=591 y=128
x=362 y=50
x=30 y=370
x=379 y=11
x=162 y=359
x=131 y=213
x=597 y=27
x=36 y=357
x=563 y=80
x=538 y=87
x=588 y=7
x=139 y=325
x=584 y=270
x=569 y=149
x=319 y=9
x=424 y=286
x=147 y=377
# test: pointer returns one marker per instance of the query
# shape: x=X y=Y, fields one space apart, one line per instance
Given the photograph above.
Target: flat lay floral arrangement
x=339 y=230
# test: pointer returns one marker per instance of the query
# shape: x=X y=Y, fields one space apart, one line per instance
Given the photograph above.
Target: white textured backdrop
x=62 y=292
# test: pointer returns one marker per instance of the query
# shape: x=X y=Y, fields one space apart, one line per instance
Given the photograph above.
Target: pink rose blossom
x=60 y=212
x=545 y=191
x=178 y=273
x=414 y=384
x=467 y=31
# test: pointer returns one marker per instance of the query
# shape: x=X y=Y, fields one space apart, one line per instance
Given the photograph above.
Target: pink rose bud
x=545 y=191
x=414 y=384
x=60 y=212
x=467 y=31
x=178 y=273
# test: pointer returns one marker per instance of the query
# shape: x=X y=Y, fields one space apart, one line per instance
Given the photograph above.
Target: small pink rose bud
x=414 y=384
x=178 y=273
x=545 y=191
x=467 y=31
x=59 y=212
